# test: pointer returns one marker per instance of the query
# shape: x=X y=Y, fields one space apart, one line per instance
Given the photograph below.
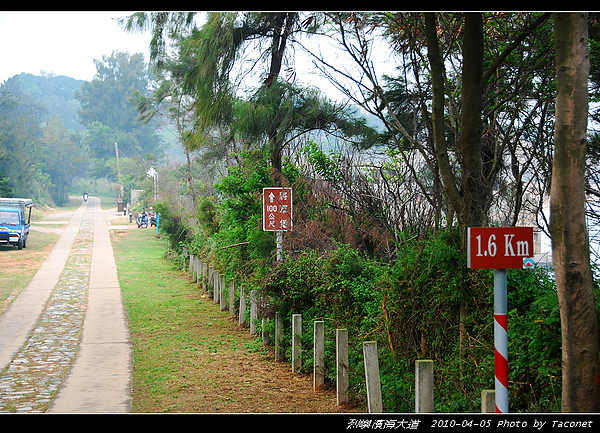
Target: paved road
x=64 y=342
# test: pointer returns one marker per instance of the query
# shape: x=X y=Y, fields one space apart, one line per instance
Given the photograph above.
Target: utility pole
x=121 y=191
x=118 y=165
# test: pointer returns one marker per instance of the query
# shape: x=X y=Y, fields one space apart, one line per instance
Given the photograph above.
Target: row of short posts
x=424 y=368
x=424 y=376
x=211 y=281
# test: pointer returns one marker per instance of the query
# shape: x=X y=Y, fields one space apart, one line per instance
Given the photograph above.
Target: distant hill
x=57 y=93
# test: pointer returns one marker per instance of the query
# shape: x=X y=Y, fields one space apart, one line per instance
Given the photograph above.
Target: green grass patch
x=189 y=356
x=169 y=323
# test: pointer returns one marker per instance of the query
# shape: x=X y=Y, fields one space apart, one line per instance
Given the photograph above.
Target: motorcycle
x=85 y=196
x=142 y=220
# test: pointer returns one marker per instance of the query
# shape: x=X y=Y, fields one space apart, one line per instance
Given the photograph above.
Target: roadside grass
x=167 y=332
x=190 y=357
x=156 y=312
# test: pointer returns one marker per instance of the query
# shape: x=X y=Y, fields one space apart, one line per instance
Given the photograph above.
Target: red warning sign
x=277 y=209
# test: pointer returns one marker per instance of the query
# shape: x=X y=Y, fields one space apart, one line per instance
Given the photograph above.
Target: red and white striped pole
x=500 y=341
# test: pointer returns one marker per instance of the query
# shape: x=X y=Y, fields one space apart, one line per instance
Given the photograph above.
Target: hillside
x=57 y=93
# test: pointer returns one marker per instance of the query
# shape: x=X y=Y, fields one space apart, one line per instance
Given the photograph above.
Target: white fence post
x=278 y=337
x=341 y=343
x=242 y=311
x=211 y=279
x=231 y=298
x=374 y=398
x=424 y=402
x=222 y=299
x=217 y=288
x=488 y=401
x=319 y=356
x=253 y=312
x=296 y=342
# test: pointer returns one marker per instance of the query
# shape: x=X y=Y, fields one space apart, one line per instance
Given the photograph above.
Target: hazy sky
x=66 y=43
x=63 y=43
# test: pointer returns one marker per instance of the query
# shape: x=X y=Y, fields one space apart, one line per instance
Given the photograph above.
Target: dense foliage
x=410 y=305
x=376 y=247
x=463 y=135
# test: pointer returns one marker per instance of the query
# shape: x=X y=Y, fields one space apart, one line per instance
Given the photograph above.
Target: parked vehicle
x=15 y=216
x=142 y=220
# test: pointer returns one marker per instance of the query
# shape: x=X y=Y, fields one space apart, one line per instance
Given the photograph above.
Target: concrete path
x=100 y=378
x=98 y=370
x=17 y=323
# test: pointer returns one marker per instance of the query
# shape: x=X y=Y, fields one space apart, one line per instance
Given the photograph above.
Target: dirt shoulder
x=190 y=357
x=234 y=373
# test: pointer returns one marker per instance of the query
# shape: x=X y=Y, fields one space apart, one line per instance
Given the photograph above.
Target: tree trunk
x=570 y=244
x=282 y=28
x=473 y=183
x=437 y=116
x=470 y=199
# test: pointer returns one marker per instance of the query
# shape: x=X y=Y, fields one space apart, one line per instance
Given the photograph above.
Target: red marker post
x=500 y=248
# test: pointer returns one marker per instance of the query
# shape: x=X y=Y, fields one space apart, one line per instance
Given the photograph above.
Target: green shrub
x=416 y=306
x=171 y=224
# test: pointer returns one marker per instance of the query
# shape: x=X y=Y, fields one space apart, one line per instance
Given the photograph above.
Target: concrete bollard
x=204 y=276
x=242 y=310
x=253 y=312
x=319 y=356
x=231 y=298
x=217 y=289
x=488 y=401
x=278 y=338
x=198 y=273
x=373 y=380
x=211 y=277
x=222 y=297
x=296 y=342
x=341 y=359
x=424 y=402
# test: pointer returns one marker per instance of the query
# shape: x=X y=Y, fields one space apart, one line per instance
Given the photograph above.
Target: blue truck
x=15 y=216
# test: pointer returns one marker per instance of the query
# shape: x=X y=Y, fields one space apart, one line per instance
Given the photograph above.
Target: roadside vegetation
x=410 y=305
x=407 y=129
x=189 y=357
x=460 y=134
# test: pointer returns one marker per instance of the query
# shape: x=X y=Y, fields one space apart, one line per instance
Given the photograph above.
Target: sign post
x=277 y=213
x=500 y=341
x=500 y=248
